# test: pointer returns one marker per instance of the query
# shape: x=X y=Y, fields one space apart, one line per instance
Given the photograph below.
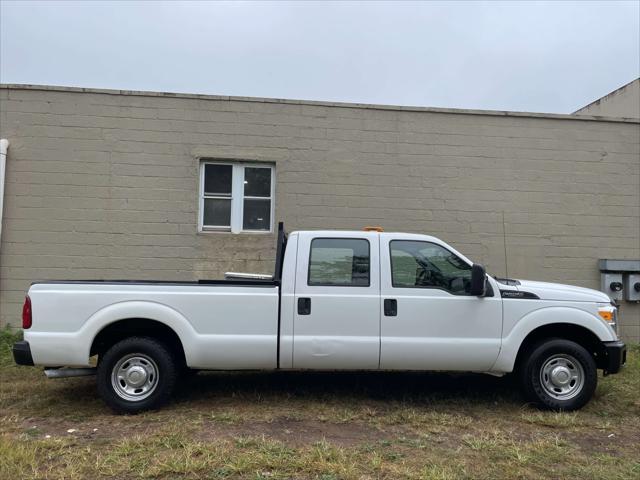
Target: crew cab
x=338 y=300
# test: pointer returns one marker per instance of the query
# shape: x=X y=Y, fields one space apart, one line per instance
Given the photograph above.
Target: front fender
x=546 y=316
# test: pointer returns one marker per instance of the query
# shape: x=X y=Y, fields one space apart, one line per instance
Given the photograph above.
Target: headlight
x=610 y=315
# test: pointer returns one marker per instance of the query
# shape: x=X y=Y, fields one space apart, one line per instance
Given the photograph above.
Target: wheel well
x=114 y=332
x=581 y=335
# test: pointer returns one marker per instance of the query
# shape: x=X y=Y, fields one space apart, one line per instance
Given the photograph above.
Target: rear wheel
x=136 y=374
x=559 y=374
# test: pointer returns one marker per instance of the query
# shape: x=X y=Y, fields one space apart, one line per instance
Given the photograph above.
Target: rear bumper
x=22 y=353
x=616 y=356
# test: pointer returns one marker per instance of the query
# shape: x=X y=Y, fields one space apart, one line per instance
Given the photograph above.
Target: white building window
x=236 y=197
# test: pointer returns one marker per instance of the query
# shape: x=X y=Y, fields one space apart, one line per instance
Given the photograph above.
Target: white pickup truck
x=339 y=300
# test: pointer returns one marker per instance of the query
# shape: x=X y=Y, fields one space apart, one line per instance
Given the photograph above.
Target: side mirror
x=478 y=280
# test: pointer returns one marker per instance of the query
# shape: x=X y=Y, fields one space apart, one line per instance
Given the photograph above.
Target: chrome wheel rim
x=562 y=377
x=134 y=377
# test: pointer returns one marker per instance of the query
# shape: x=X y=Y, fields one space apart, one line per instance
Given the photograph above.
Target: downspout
x=4 y=145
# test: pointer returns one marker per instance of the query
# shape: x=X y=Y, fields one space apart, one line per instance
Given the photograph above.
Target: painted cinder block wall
x=623 y=102
x=104 y=184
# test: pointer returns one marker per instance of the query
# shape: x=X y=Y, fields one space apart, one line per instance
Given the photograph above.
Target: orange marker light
x=373 y=229
x=606 y=315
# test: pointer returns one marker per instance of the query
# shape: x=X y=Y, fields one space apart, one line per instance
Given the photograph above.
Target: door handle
x=390 y=307
x=304 y=306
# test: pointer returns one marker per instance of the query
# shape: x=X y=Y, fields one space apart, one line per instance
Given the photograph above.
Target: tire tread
x=529 y=374
x=166 y=364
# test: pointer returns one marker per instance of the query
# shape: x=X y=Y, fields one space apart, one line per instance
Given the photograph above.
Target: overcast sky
x=548 y=57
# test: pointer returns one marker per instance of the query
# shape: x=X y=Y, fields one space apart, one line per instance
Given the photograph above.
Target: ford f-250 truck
x=338 y=300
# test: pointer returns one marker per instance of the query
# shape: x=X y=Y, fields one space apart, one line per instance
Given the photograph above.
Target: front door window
x=416 y=264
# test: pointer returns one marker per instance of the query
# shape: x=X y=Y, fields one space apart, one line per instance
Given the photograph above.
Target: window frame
x=368 y=285
x=423 y=287
x=237 y=197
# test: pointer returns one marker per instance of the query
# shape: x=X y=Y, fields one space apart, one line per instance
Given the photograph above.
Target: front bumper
x=616 y=356
x=22 y=353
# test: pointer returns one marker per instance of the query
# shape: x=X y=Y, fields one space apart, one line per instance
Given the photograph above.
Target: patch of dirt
x=597 y=441
x=97 y=428
x=298 y=432
x=589 y=440
x=289 y=431
x=305 y=432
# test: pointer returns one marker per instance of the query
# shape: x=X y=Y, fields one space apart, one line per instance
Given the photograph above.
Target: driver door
x=428 y=319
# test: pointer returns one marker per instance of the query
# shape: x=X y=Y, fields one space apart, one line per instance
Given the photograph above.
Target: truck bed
x=247 y=282
x=229 y=324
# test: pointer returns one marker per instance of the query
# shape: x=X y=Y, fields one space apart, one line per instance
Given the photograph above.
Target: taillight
x=26 y=313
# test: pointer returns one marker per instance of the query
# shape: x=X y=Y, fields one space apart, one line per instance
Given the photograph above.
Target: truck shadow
x=390 y=386
x=299 y=390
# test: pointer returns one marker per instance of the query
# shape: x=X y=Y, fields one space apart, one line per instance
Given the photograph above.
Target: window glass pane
x=339 y=262
x=257 y=182
x=257 y=215
x=427 y=265
x=217 y=179
x=217 y=212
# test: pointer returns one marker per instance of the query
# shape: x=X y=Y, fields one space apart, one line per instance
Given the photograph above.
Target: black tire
x=154 y=362
x=538 y=383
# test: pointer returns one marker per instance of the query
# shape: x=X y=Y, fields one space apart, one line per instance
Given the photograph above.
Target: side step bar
x=68 y=372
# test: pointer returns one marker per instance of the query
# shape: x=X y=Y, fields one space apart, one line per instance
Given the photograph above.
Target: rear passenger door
x=337 y=301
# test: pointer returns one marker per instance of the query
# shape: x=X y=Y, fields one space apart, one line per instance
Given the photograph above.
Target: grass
x=316 y=426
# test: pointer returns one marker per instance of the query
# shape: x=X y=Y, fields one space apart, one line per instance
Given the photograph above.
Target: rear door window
x=340 y=262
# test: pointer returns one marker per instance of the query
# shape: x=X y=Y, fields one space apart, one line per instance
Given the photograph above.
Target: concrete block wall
x=104 y=184
x=622 y=102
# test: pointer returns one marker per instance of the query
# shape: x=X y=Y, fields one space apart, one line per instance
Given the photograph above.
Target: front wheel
x=136 y=374
x=559 y=374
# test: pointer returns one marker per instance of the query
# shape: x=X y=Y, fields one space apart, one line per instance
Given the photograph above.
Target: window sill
x=229 y=232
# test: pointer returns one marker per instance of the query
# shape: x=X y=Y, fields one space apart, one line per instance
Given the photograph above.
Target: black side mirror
x=478 y=280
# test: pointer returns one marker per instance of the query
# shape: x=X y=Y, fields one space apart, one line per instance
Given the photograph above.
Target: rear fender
x=136 y=309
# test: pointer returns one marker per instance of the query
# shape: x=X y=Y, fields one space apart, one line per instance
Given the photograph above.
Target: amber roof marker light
x=373 y=229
